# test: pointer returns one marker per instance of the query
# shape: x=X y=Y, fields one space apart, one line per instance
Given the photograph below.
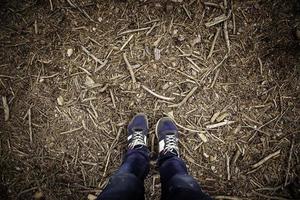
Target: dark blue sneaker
x=137 y=131
x=167 y=134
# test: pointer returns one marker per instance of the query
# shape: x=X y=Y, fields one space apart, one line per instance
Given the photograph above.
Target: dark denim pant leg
x=176 y=183
x=128 y=182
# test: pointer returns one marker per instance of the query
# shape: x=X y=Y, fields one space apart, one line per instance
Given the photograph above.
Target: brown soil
x=65 y=134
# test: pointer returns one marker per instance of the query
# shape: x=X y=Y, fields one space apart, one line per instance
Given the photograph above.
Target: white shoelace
x=137 y=139
x=171 y=144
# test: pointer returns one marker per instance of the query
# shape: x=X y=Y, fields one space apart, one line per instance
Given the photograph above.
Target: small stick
x=214 y=43
x=228 y=166
x=215 y=78
x=188 y=13
x=101 y=66
x=260 y=66
x=212 y=4
x=226 y=122
x=226 y=36
x=36 y=31
x=194 y=65
x=91 y=55
x=71 y=131
x=129 y=67
x=29 y=123
x=181 y=126
x=124 y=45
x=217 y=20
x=85 y=70
x=228 y=198
x=51 y=5
x=134 y=30
x=5 y=108
x=234 y=23
x=289 y=164
x=151 y=29
x=262 y=161
x=157 y=95
x=112 y=98
x=185 y=98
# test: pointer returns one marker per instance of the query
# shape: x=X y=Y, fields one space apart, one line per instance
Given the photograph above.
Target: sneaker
x=167 y=134
x=137 y=131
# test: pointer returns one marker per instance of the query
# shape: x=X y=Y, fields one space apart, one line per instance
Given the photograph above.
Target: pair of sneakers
x=166 y=133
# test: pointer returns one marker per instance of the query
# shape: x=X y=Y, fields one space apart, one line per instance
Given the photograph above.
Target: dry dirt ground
x=227 y=72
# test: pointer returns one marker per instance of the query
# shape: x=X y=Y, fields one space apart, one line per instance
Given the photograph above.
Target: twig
x=134 y=30
x=71 y=131
x=36 y=30
x=188 y=13
x=109 y=152
x=227 y=197
x=181 y=126
x=289 y=163
x=151 y=29
x=124 y=45
x=129 y=67
x=91 y=55
x=218 y=20
x=214 y=42
x=227 y=166
x=185 y=98
x=112 y=98
x=157 y=95
x=5 y=108
x=262 y=161
x=215 y=78
x=51 y=5
x=102 y=65
x=194 y=65
x=225 y=122
x=226 y=35
x=206 y=74
x=30 y=127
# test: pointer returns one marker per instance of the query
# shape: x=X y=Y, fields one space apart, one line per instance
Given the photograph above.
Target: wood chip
x=5 y=107
x=203 y=136
x=214 y=117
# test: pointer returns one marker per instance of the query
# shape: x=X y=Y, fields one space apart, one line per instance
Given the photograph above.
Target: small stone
x=69 y=52
x=38 y=195
x=60 y=100
x=91 y=197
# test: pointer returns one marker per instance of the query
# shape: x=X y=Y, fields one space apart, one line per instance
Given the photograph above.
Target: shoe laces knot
x=171 y=144
x=137 y=139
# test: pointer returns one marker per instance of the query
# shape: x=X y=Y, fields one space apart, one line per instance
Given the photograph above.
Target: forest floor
x=73 y=73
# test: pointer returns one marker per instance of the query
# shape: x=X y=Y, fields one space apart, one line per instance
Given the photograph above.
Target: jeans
x=128 y=182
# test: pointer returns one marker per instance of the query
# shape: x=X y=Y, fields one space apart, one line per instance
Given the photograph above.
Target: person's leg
x=128 y=182
x=177 y=184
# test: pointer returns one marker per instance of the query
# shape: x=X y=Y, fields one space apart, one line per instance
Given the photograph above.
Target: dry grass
x=233 y=89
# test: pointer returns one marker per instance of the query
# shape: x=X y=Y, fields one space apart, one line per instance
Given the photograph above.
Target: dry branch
x=226 y=122
x=129 y=67
x=158 y=95
x=91 y=55
x=185 y=98
x=262 y=161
